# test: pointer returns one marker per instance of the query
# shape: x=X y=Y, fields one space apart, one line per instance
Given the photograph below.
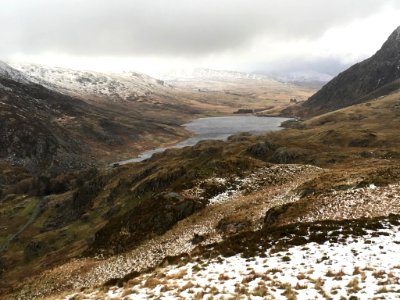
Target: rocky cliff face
x=30 y=131
x=378 y=75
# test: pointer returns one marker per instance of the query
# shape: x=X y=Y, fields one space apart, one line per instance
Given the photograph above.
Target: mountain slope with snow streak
x=10 y=73
x=125 y=86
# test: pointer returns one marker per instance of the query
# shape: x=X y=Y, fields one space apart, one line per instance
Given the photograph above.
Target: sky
x=154 y=36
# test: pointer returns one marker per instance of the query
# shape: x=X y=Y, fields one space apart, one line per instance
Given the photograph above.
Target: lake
x=217 y=128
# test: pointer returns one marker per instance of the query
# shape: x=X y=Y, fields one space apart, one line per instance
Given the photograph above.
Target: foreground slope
x=336 y=238
x=341 y=263
x=213 y=196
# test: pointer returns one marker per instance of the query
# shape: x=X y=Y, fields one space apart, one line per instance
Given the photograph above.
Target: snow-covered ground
x=370 y=201
x=365 y=267
x=232 y=188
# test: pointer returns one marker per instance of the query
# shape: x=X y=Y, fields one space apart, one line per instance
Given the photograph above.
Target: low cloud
x=159 y=27
x=175 y=28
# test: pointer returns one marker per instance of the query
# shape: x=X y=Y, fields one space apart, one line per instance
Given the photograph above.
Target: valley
x=74 y=106
x=127 y=113
x=245 y=211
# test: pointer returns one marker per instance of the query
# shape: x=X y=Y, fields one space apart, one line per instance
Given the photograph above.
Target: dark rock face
x=273 y=214
x=232 y=226
x=284 y=155
x=29 y=136
x=261 y=149
x=34 y=249
x=197 y=239
x=371 y=78
x=151 y=217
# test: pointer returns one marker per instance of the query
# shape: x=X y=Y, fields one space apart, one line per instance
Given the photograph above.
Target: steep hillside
x=377 y=75
x=30 y=131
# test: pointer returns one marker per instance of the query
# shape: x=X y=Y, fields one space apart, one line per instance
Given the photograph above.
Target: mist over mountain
x=205 y=73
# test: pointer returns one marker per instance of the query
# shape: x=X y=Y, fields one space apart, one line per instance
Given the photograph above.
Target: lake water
x=217 y=128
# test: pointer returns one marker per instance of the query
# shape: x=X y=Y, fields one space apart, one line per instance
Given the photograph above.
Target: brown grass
x=379 y=274
x=177 y=275
x=260 y=290
x=223 y=277
x=353 y=285
x=151 y=283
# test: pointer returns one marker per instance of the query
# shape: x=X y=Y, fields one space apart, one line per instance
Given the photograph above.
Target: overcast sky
x=154 y=35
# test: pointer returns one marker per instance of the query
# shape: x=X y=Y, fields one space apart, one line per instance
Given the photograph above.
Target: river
x=216 y=128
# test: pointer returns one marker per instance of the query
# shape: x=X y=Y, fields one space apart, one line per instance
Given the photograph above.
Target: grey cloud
x=160 y=27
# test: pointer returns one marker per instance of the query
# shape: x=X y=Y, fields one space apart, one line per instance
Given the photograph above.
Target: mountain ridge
x=353 y=85
x=124 y=86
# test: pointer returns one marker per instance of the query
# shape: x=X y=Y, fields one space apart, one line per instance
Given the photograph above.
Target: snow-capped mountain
x=210 y=74
x=11 y=73
x=93 y=85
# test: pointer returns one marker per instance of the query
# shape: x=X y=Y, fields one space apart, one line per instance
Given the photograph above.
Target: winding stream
x=216 y=128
